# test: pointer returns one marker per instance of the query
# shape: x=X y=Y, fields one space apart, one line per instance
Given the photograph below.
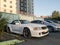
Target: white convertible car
x=27 y=29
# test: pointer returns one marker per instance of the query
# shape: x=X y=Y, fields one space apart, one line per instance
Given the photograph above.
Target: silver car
x=50 y=24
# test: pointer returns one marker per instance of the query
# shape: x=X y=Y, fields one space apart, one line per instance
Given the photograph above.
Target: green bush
x=3 y=22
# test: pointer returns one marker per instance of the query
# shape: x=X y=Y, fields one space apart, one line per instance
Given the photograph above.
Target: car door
x=15 y=26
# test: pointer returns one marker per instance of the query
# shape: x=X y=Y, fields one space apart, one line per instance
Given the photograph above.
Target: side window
x=49 y=21
x=16 y=21
x=40 y=21
x=21 y=22
x=24 y=22
x=34 y=22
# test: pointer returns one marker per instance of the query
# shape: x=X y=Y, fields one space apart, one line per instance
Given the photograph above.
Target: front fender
x=8 y=25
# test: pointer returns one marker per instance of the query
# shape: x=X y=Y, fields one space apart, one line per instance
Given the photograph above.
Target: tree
x=55 y=15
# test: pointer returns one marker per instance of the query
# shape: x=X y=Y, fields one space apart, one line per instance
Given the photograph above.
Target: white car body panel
x=18 y=28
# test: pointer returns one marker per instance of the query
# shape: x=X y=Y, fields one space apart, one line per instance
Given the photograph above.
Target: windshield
x=50 y=21
x=24 y=21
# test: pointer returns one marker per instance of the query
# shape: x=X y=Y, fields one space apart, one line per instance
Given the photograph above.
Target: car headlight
x=36 y=28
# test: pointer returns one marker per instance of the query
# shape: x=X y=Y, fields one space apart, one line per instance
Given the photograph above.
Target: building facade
x=25 y=7
x=17 y=6
x=8 y=6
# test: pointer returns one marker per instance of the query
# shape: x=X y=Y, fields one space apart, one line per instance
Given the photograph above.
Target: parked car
x=50 y=24
x=27 y=29
x=56 y=21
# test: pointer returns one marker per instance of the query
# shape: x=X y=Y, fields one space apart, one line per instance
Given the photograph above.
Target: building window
x=10 y=11
x=25 y=5
x=25 y=1
x=21 y=0
x=25 y=9
x=4 y=0
x=32 y=9
x=21 y=4
x=10 y=6
x=21 y=8
x=5 y=10
x=32 y=12
x=10 y=1
x=4 y=5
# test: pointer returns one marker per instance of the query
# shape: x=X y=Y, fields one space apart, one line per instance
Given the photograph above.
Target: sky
x=45 y=7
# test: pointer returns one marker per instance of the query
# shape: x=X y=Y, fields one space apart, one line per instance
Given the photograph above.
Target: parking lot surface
x=52 y=39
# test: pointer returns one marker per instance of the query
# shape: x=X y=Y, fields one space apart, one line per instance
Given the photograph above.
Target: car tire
x=5 y=29
x=8 y=29
x=26 y=33
x=51 y=29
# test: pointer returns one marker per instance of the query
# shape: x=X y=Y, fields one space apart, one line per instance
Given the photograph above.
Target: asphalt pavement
x=52 y=39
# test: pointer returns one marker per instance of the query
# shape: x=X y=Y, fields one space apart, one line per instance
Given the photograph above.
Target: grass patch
x=11 y=42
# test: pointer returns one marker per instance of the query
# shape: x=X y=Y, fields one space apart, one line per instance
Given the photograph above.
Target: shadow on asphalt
x=35 y=38
x=50 y=35
x=55 y=32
